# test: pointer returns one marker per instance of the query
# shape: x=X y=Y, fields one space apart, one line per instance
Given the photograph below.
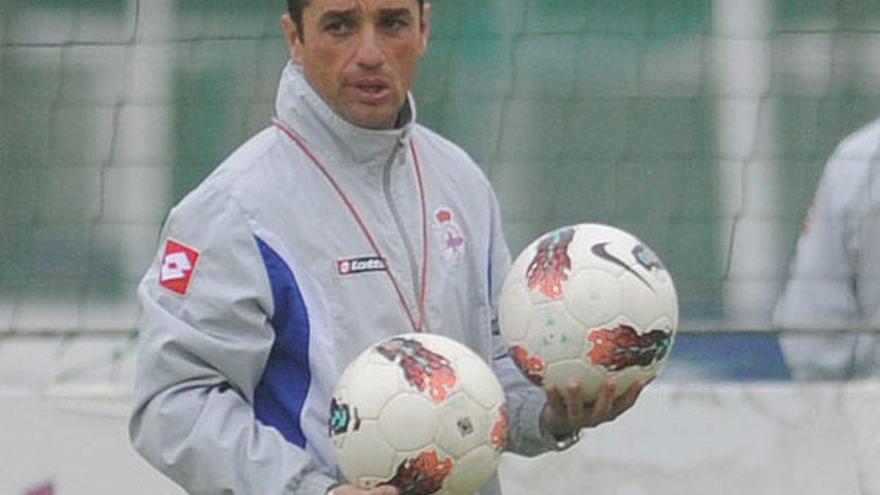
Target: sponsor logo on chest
x=353 y=266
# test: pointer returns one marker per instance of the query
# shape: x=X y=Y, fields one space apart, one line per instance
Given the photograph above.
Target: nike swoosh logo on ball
x=599 y=250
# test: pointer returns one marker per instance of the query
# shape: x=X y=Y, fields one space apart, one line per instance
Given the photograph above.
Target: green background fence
x=701 y=126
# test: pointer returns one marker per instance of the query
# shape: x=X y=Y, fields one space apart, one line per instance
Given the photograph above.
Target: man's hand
x=353 y=490
x=567 y=411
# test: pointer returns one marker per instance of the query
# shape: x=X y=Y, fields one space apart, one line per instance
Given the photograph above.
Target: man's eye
x=339 y=27
x=394 y=23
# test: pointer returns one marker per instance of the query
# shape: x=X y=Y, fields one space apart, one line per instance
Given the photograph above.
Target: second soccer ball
x=421 y=412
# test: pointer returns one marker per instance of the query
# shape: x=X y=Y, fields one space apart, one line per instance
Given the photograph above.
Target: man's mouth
x=371 y=88
x=371 y=91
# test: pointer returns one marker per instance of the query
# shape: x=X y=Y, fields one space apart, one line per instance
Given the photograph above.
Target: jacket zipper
x=401 y=229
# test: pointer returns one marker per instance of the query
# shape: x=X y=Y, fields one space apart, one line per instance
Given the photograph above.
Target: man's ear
x=293 y=38
x=425 y=27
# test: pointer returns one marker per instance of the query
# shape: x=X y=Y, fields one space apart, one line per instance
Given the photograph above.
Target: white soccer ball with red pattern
x=585 y=301
x=421 y=412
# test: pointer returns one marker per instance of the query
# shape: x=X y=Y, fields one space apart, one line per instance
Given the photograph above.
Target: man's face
x=361 y=55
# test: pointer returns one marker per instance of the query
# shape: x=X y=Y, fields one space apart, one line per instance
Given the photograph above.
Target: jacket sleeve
x=201 y=356
x=525 y=401
x=820 y=293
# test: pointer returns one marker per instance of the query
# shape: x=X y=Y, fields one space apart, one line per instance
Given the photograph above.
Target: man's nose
x=369 y=54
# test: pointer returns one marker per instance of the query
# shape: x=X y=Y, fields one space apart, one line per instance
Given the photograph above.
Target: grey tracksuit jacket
x=264 y=288
x=835 y=277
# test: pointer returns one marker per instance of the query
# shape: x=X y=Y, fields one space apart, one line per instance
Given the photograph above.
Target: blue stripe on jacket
x=282 y=391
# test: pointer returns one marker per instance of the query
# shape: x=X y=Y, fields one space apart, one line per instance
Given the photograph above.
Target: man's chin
x=376 y=118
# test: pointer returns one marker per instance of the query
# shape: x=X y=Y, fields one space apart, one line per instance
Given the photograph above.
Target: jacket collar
x=335 y=139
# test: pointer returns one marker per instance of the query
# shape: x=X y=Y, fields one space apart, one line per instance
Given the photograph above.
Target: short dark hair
x=295 y=9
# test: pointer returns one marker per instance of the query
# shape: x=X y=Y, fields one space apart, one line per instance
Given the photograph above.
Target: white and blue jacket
x=248 y=316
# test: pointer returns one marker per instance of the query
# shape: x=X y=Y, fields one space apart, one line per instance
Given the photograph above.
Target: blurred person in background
x=834 y=286
x=343 y=223
x=830 y=309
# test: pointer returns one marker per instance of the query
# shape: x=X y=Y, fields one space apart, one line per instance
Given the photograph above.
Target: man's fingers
x=555 y=399
x=568 y=407
x=626 y=400
x=356 y=490
x=574 y=403
x=384 y=490
x=604 y=401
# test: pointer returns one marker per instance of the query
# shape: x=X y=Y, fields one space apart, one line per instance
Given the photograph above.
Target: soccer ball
x=586 y=301
x=421 y=412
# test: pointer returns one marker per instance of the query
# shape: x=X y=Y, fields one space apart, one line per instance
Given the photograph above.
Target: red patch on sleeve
x=178 y=264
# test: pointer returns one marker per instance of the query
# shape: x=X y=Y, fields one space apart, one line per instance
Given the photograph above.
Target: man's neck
x=403 y=116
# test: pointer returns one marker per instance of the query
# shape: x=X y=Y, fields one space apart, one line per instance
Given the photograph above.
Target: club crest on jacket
x=449 y=234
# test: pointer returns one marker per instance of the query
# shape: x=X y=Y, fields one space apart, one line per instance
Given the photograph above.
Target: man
x=835 y=288
x=317 y=238
x=835 y=278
